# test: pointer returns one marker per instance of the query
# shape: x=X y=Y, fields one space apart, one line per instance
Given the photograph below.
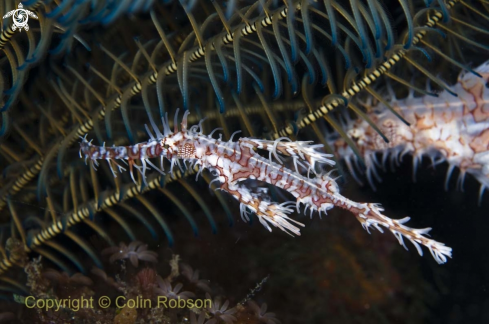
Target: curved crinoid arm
x=298 y=150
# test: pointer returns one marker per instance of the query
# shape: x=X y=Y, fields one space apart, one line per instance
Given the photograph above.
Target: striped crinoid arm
x=118 y=204
x=52 y=23
x=232 y=163
x=175 y=67
x=83 y=202
x=8 y=33
x=18 y=55
x=76 y=96
x=436 y=18
x=169 y=65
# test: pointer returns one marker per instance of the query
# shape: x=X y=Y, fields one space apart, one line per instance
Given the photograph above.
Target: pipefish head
x=178 y=144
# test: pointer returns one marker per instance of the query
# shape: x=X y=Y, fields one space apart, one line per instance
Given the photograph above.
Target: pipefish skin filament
x=232 y=163
x=443 y=129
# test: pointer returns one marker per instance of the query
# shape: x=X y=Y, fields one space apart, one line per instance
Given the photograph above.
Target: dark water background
x=337 y=273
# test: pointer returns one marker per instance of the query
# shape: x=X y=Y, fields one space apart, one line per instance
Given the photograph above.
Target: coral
x=136 y=298
x=197 y=320
x=221 y=311
x=109 y=280
x=35 y=280
x=63 y=278
x=127 y=315
x=193 y=277
x=165 y=289
x=134 y=252
x=261 y=313
x=147 y=280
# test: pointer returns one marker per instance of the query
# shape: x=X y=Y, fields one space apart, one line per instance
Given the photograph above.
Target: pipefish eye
x=164 y=145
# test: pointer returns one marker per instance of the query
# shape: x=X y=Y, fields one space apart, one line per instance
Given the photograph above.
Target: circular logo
x=20 y=18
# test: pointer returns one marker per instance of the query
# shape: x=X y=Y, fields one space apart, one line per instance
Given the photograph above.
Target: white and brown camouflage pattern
x=234 y=162
x=446 y=128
